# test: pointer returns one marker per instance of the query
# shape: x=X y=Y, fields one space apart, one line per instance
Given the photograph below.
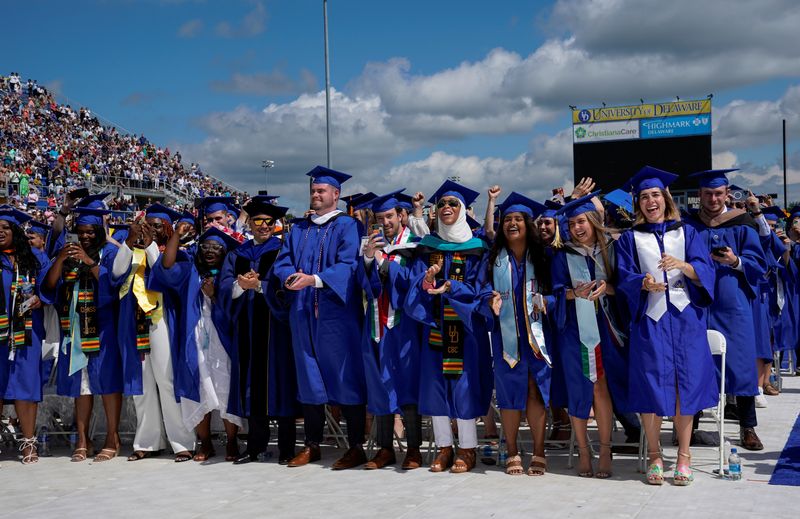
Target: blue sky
x=423 y=89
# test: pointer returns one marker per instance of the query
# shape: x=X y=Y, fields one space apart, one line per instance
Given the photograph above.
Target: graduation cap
x=647 y=178
x=93 y=201
x=90 y=215
x=552 y=208
x=578 y=206
x=450 y=188
x=256 y=207
x=265 y=198
x=622 y=199
x=384 y=203
x=187 y=217
x=14 y=216
x=323 y=175
x=357 y=200
x=213 y=204
x=405 y=201
x=119 y=226
x=473 y=223
x=712 y=178
x=517 y=203
x=161 y=211
x=38 y=227
x=773 y=213
x=227 y=241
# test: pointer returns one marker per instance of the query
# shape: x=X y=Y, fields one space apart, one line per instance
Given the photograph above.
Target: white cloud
x=252 y=23
x=747 y=124
x=275 y=82
x=191 y=28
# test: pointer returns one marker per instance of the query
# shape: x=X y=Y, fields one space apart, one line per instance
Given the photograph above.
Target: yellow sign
x=642 y=111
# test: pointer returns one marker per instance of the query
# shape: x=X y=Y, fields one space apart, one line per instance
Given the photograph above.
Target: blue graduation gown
x=511 y=384
x=391 y=366
x=267 y=379
x=674 y=350
x=782 y=320
x=325 y=322
x=568 y=359
x=104 y=369
x=24 y=377
x=468 y=395
x=734 y=291
x=184 y=283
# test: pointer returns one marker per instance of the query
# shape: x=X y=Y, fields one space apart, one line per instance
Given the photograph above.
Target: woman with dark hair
x=78 y=286
x=21 y=326
x=208 y=365
x=520 y=277
x=591 y=351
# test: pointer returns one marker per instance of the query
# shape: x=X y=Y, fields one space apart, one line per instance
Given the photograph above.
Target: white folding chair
x=718 y=345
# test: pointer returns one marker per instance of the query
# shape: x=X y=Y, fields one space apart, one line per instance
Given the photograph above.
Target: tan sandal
x=605 y=473
x=82 y=453
x=106 y=455
x=465 y=461
x=443 y=460
x=537 y=470
x=514 y=466
x=587 y=473
x=29 y=444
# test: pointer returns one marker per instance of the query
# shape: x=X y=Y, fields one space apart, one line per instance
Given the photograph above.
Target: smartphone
x=719 y=251
x=291 y=279
x=72 y=237
x=376 y=227
x=77 y=194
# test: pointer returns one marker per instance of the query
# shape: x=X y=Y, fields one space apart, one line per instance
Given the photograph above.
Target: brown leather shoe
x=750 y=440
x=413 y=459
x=306 y=456
x=771 y=390
x=443 y=460
x=382 y=458
x=352 y=458
x=465 y=461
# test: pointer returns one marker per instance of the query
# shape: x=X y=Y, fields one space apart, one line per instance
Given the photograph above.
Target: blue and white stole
x=503 y=279
x=649 y=250
x=380 y=310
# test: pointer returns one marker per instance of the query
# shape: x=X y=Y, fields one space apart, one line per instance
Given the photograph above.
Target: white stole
x=649 y=251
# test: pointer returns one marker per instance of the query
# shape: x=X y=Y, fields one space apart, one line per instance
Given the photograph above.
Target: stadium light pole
x=327 y=84
x=266 y=164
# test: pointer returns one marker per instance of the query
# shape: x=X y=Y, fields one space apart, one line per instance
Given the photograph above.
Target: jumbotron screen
x=611 y=144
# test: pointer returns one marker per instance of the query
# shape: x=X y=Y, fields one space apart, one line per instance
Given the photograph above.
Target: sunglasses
x=451 y=202
x=258 y=222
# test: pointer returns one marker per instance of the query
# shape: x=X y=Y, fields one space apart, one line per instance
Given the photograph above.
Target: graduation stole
x=148 y=302
x=447 y=336
x=502 y=278
x=79 y=313
x=15 y=327
x=648 y=248
x=379 y=308
x=586 y=312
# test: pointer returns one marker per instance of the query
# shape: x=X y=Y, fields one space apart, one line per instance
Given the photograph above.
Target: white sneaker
x=761 y=400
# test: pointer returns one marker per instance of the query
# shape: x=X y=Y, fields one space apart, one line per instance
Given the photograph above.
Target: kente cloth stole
x=14 y=325
x=586 y=313
x=649 y=251
x=448 y=334
x=380 y=311
x=79 y=312
x=509 y=313
x=149 y=307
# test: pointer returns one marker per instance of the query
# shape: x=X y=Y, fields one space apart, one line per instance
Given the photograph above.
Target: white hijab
x=458 y=232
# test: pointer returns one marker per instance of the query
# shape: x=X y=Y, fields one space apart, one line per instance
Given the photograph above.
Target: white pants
x=157 y=411
x=443 y=434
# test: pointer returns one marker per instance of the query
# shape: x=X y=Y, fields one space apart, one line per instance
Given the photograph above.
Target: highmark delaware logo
x=584 y=116
x=580 y=133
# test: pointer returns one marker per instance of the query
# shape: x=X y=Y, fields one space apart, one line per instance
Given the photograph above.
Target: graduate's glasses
x=206 y=247
x=451 y=203
x=258 y=222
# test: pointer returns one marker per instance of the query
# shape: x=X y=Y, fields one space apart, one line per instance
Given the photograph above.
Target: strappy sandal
x=684 y=474
x=537 y=470
x=183 y=456
x=106 y=455
x=605 y=474
x=464 y=462
x=33 y=455
x=140 y=455
x=589 y=473
x=655 y=471
x=203 y=455
x=514 y=465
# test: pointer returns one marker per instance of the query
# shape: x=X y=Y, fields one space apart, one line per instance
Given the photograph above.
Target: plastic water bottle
x=502 y=456
x=44 y=446
x=734 y=465
x=487 y=451
x=73 y=440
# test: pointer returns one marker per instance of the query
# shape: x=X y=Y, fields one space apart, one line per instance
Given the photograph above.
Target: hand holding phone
x=719 y=251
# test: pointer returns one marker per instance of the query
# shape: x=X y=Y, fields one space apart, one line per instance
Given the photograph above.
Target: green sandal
x=684 y=474
x=655 y=472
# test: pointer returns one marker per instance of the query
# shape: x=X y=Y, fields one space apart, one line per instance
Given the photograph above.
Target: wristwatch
x=259 y=288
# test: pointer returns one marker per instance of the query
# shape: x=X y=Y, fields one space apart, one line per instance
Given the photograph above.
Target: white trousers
x=158 y=415
x=443 y=434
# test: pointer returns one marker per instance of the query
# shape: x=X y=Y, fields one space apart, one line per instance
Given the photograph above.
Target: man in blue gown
x=317 y=266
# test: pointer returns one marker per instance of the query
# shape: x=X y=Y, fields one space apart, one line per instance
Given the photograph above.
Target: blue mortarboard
x=647 y=178
x=256 y=207
x=386 y=202
x=265 y=198
x=119 y=226
x=622 y=199
x=473 y=223
x=578 y=206
x=405 y=201
x=214 y=234
x=323 y=175
x=773 y=213
x=450 y=188
x=213 y=204
x=359 y=200
x=712 y=178
x=517 y=203
x=187 y=217
x=161 y=211
x=794 y=212
x=14 y=216
x=38 y=228
x=552 y=208
x=233 y=210
x=93 y=201
x=90 y=215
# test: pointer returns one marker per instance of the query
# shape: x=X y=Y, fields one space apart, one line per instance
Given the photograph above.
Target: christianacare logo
x=580 y=133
